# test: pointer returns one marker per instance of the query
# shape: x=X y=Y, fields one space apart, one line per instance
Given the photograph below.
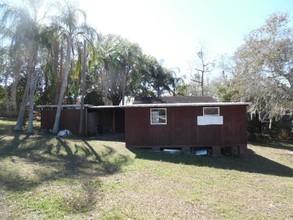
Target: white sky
x=173 y=29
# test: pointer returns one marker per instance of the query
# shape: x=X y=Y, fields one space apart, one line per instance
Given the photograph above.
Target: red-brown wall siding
x=109 y=119
x=69 y=119
x=182 y=128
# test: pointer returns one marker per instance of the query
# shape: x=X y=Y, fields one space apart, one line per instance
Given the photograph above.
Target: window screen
x=211 y=111
x=158 y=116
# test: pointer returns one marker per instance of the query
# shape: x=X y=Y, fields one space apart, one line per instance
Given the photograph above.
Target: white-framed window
x=210 y=116
x=158 y=116
x=211 y=111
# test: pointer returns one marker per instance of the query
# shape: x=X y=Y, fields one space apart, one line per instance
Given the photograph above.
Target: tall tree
x=161 y=78
x=83 y=78
x=119 y=58
x=178 y=86
x=70 y=30
x=203 y=67
x=23 y=26
x=52 y=63
x=264 y=66
x=141 y=79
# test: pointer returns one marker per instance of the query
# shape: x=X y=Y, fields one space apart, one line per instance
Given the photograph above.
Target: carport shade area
x=97 y=119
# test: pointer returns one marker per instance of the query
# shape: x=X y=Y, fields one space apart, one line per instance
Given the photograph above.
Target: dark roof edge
x=65 y=106
x=189 y=104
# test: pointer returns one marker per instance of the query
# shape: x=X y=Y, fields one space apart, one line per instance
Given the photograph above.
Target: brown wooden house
x=185 y=123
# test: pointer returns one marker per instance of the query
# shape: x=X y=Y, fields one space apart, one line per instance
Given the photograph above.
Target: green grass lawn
x=46 y=177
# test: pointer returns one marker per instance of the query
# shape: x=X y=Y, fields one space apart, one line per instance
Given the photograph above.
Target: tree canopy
x=44 y=62
x=43 y=58
x=262 y=69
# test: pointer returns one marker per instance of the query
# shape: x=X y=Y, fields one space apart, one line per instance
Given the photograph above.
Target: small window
x=158 y=116
x=211 y=111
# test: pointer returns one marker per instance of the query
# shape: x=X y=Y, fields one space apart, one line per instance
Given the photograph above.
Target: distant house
x=185 y=123
x=173 y=99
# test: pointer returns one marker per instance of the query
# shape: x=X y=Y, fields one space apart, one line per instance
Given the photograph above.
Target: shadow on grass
x=252 y=162
x=277 y=145
x=63 y=160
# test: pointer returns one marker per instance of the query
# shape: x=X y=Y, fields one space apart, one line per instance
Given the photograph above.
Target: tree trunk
x=29 y=89
x=21 y=114
x=202 y=83
x=14 y=91
x=63 y=86
x=32 y=68
x=125 y=73
x=81 y=119
x=30 y=128
x=7 y=102
x=105 y=82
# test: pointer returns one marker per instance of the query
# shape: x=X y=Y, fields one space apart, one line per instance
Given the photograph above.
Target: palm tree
x=177 y=85
x=51 y=56
x=83 y=78
x=22 y=26
x=69 y=31
x=129 y=60
x=119 y=60
x=161 y=78
x=110 y=56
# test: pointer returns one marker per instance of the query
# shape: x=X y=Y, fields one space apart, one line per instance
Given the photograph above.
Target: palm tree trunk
x=63 y=86
x=124 y=79
x=32 y=73
x=105 y=82
x=81 y=119
x=20 y=118
x=30 y=128
x=7 y=102
x=14 y=91
x=61 y=73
